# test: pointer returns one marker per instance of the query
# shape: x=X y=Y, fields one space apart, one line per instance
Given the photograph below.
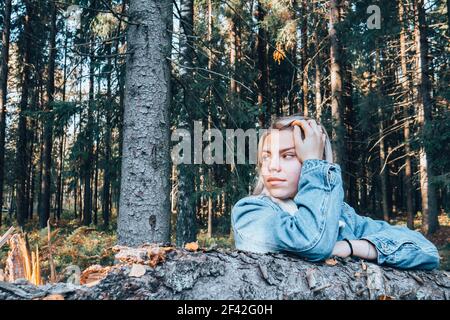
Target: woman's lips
x=275 y=181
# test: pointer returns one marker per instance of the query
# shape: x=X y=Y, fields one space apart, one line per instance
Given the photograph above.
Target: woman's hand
x=312 y=146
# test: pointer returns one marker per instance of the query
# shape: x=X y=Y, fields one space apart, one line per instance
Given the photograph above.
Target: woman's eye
x=288 y=156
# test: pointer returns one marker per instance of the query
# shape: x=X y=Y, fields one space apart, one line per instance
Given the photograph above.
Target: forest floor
x=78 y=247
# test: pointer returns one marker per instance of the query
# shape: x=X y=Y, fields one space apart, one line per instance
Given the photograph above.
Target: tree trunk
x=405 y=84
x=262 y=61
x=382 y=149
x=87 y=207
x=186 y=227
x=304 y=57
x=317 y=70
x=60 y=186
x=338 y=133
x=44 y=211
x=3 y=94
x=424 y=107
x=237 y=275
x=21 y=153
x=106 y=204
x=144 y=212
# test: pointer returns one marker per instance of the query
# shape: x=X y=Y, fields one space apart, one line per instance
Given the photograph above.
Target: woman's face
x=280 y=167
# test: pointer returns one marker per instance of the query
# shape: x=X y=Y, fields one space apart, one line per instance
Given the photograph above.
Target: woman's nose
x=274 y=164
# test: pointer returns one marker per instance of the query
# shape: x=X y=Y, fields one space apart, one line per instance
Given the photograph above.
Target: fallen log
x=153 y=272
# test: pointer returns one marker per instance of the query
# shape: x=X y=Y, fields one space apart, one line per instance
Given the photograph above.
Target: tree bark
x=424 y=105
x=225 y=274
x=382 y=149
x=405 y=84
x=44 y=211
x=338 y=133
x=144 y=212
x=21 y=153
x=186 y=227
x=88 y=159
x=262 y=62
x=3 y=94
x=304 y=57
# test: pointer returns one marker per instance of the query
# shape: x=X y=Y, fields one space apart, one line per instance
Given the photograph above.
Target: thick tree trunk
x=224 y=274
x=3 y=94
x=144 y=213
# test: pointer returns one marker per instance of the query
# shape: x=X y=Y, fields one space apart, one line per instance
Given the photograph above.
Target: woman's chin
x=280 y=194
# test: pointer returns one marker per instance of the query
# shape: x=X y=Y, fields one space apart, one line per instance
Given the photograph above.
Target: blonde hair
x=284 y=123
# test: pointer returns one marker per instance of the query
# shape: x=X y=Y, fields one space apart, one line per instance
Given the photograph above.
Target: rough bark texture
x=144 y=214
x=225 y=274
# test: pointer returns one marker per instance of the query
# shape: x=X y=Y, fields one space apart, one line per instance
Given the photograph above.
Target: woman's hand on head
x=312 y=146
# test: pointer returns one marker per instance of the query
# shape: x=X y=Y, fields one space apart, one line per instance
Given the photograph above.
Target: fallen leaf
x=363 y=266
x=191 y=246
x=155 y=256
x=331 y=262
x=137 y=270
x=384 y=297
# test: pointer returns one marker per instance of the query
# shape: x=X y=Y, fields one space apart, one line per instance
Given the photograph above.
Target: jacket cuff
x=384 y=246
x=327 y=172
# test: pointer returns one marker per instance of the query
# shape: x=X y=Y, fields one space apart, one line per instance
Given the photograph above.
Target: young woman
x=298 y=206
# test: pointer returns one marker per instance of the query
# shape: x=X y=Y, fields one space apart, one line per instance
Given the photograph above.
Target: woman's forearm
x=364 y=249
x=361 y=248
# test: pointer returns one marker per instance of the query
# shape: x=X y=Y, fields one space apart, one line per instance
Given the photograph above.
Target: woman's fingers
x=306 y=128
x=298 y=142
x=316 y=128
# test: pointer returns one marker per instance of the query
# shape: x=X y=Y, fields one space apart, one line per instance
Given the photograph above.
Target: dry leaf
x=384 y=297
x=137 y=270
x=191 y=246
x=331 y=262
x=156 y=255
x=363 y=266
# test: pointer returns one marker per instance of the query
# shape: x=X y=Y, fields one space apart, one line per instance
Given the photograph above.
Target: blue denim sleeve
x=397 y=246
x=312 y=231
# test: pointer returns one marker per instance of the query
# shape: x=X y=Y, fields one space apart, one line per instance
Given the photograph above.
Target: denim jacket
x=260 y=225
